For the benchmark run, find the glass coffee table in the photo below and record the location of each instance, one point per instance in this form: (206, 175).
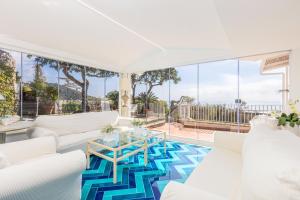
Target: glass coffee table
(120, 145)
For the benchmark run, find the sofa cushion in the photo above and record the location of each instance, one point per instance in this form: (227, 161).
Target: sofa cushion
(271, 166)
(187, 192)
(28, 149)
(76, 123)
(218, 173)
(68, 141)
(267, 121)
(230, 141)
(3, 161)
(42, 132)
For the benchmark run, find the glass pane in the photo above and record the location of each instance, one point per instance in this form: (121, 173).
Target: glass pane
(183, 103)
(40, 88)
(138, 103)
(217, 109)
(71, 88)
(112, 90)
(99, 83)
(259, 91)
(10, 70)
(156, 97)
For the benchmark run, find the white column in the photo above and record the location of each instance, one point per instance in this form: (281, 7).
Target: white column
(125, 94)
(294, 76)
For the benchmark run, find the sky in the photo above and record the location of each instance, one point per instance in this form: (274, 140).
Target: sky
(218, 82)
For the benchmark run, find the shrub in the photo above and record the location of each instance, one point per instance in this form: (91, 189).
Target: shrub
(71, 107)
(7, 83)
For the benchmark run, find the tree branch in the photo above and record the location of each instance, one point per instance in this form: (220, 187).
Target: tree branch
(72, 78)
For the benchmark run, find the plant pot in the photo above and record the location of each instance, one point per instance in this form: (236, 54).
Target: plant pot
(9, 120)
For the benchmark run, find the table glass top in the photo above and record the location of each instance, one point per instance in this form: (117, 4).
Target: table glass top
(121, 138)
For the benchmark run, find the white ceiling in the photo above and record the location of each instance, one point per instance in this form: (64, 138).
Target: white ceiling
(139, 35)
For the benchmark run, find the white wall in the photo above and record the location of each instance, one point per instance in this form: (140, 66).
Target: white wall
(294, 75)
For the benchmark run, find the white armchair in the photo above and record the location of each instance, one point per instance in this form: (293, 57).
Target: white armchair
(35, 171)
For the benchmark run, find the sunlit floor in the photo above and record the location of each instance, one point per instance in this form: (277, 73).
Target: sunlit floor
(178, 130)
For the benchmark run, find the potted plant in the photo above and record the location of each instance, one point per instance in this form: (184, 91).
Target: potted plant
(138, 126)
(110, 136)
(290, 121)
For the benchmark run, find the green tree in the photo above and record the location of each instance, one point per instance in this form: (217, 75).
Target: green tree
(153, 78)
(39, 82)
(68, 69)
(7, 83)
(135, 80)
(113, 97)
(146, 99)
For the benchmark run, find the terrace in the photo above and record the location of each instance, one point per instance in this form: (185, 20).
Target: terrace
(196, 76)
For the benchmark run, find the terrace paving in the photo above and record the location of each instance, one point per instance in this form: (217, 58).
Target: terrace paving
(177, 130)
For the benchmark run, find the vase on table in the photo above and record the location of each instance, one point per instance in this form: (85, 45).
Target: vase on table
(139, 131)
(111, 139)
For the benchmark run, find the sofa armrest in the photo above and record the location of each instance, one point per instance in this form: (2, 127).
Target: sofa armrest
(54, 177)
(27, 149)
(230, 141)
(179, 191)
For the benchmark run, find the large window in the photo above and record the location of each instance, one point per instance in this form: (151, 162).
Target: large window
(41, 86)
(102, 90)
(191, 101)
(183, 99)
(198, 100)
(10, 73)
(71, 88)
(260, 91)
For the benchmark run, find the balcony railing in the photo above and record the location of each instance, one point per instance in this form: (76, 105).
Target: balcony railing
(219, 113)
(222, 113)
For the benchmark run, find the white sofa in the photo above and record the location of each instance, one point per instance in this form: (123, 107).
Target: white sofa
(264, 165)
(32, 170)
(73, 131)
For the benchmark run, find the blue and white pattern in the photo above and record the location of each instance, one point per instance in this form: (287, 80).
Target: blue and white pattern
(136, 181)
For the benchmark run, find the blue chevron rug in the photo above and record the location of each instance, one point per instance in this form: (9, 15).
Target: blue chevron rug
(136, 181)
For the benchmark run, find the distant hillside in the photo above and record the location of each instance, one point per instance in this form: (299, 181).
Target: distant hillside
(66, 93)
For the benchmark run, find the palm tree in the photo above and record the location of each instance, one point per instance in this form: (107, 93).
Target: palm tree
(113, 97)
(146, 98)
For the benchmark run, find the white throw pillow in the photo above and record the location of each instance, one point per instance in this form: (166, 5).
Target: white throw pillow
(3, 161)
(265, 120)
(271, 166)
(42, 132)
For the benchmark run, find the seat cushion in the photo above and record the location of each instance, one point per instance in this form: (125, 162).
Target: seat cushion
(186, 192)
(76, 123)
(27, 149)
(46, 156)
(271, 166)
(69, 141)
(219, 173)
